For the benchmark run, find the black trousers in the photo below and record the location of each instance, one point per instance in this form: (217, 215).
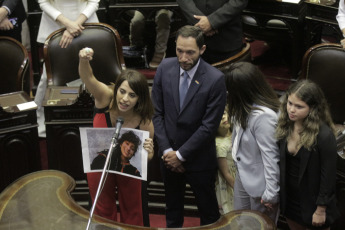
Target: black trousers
(203, 187)
(15, 33)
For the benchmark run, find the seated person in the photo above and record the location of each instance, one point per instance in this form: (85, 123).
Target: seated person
(126, 148)
(12, 15)
(137, 26)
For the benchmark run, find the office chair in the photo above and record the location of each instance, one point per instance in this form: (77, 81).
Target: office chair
(325, 65)
(62, 63)
(14, 66)
(243, 55)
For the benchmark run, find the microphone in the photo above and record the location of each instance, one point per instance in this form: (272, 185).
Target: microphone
(118, 126)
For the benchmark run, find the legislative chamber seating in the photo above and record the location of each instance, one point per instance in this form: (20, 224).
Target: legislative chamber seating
(243, 55)
(14, 65)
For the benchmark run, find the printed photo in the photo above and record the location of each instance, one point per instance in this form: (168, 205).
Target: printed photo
(128, 157)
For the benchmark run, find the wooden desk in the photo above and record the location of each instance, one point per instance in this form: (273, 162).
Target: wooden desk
(19, 150)
(277, 21)
(320, 17)
(41, 200)
(64, 114)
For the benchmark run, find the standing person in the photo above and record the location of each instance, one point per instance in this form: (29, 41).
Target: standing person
(189, 97)
(129, 99)
(220, 21)
(69, 14)
(253, 107)
(12, 15)
(308, 155)
(227, 171)
(137, 27)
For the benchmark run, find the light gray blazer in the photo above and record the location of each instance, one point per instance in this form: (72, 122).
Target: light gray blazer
(258, 155)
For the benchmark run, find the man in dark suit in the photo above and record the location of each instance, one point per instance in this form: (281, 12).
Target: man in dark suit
(185, 126)
(12, 15)
(220, 20)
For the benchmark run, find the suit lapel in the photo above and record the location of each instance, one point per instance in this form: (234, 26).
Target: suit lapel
(175, 79)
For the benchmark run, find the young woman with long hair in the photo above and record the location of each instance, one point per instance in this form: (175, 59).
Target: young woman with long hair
(307, 158)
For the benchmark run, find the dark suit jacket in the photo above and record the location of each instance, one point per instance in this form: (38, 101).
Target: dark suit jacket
(224, 15)
(317, 176)
(191, 130)
(17, 9)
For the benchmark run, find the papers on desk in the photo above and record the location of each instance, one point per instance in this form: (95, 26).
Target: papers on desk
(27, 105)
(292, 1)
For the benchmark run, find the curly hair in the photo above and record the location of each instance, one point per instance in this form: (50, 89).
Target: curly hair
(130, 137)
(310, 93)
(247, 89)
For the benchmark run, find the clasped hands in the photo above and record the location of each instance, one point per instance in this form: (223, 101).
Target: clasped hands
(73, 30)
(172, 162)
(6, 24)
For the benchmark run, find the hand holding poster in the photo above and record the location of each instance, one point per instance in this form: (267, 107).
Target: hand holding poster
(129, 157)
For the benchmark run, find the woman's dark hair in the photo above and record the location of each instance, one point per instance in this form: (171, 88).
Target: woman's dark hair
(247, 88)
(138, 83)
(192, 31)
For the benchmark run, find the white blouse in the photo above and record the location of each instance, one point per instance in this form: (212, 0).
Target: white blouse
(341, 14)
(71, 9)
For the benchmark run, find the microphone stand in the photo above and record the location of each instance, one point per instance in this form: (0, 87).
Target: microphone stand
(103, 177)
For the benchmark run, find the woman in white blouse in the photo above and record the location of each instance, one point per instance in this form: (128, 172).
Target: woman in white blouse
(69, 14)
(341, 20)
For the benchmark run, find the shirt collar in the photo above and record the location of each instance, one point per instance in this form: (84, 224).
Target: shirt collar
(192, 71)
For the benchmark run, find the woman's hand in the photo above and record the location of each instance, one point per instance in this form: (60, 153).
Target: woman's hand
(86, 53)
(148, 146)
(74, 28)
(66, 39)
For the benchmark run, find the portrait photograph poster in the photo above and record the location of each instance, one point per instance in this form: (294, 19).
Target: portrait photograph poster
(98, 140)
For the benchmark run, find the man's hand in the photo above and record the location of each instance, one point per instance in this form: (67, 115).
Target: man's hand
(203, 24)
(6, 24)
(171, 161)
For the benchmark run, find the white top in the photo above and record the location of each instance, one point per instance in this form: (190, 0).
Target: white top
(341, 15)
(71, 9)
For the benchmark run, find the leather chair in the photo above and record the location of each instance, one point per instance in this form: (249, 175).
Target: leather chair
(325, 64)
(62, 64)
(243, 55)
(14, 66)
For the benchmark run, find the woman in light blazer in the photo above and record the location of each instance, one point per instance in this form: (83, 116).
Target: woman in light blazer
(253, 107)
